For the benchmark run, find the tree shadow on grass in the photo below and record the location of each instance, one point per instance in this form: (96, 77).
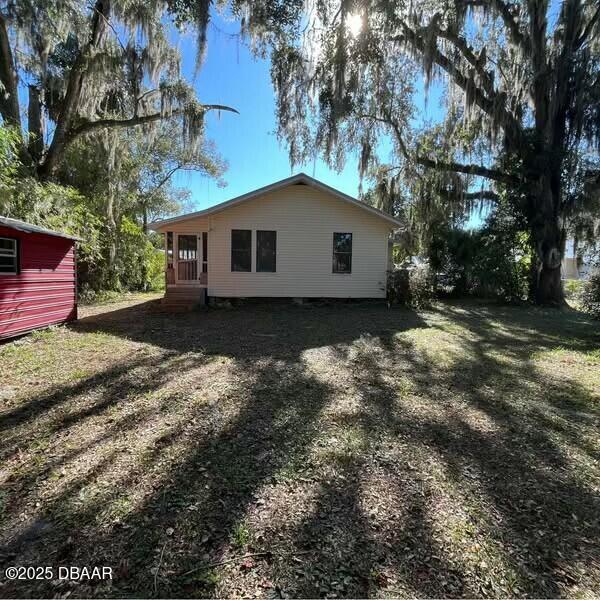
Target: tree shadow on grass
(253, 330)
(205, 492)
(188, 488)
(522, 501)
(333, 443)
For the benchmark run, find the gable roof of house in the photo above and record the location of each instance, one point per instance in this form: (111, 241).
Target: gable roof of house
(29, 228)
(301, 178)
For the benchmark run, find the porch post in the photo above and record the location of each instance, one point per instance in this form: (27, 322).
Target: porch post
(175, 258)
(169, 260)
(199, 257)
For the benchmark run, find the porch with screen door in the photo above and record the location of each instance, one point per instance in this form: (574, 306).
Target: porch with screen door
(192, 259)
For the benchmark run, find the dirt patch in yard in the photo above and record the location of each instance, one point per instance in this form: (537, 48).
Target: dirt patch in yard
(344, 450)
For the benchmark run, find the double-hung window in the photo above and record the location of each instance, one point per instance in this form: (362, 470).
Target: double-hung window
(9, 256)
(342, 253)
(241, 250)
(266, 251)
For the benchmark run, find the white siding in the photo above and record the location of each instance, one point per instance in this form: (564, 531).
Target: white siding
(305, 220)
(189, 226)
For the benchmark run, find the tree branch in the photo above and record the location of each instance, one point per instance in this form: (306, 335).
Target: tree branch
(514, 33)
(589, 28)
(493, 107)
(72, 98)
(146, 94)
(460, 43)
(482, 195)
(9, 98)
(167, 176)
(90, 126)
(387, 120)
(478, 170)
(107, 22)
(164, 180)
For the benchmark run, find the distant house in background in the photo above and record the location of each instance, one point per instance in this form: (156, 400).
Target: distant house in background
(295, 238)
(575, 265)
(38, 283)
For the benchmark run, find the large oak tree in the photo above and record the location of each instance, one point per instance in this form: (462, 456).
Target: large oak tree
(522, 90)
(83, 68)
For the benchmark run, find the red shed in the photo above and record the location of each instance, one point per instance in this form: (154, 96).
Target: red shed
(38, 281)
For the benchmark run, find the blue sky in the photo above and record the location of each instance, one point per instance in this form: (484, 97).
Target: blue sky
(232, 75)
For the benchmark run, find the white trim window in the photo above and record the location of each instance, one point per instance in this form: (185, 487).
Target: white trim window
(342, 253)
(9, 256)
(241, 250)
(266, 251)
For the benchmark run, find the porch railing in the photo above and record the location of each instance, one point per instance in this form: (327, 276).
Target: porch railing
(187, 270)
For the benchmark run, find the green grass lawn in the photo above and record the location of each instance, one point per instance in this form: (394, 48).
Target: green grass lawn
(343, 450)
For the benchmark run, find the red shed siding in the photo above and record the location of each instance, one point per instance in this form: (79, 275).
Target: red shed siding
(44, 291)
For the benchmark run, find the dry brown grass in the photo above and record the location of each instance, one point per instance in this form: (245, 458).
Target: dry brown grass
(354, 450)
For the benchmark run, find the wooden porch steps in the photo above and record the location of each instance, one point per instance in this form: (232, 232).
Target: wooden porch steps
(183, 298)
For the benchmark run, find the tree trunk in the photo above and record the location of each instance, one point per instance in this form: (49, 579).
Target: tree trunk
(9, 98)
(145, 218)
(112, 281)
(548, 240)
(145, 281)
(549, 288)
(35, 124)
(72, 99)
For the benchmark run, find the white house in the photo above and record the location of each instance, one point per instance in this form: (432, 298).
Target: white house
(575, 263)
(294, 238)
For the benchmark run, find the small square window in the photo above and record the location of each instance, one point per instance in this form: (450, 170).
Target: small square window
(9, 256)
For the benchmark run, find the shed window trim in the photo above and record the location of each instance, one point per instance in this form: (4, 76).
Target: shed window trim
(241, 250)
(9, 256)
(266, 251)
(342, 253)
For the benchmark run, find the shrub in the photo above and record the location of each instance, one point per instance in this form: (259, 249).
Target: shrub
(450, 255)
(89, 296)
(493, 262)
(411, 286)
(573, 288)
(501, 266)
(421, 286)
(398, 290)
(156, 269)
(590, 296)
(139, 265)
